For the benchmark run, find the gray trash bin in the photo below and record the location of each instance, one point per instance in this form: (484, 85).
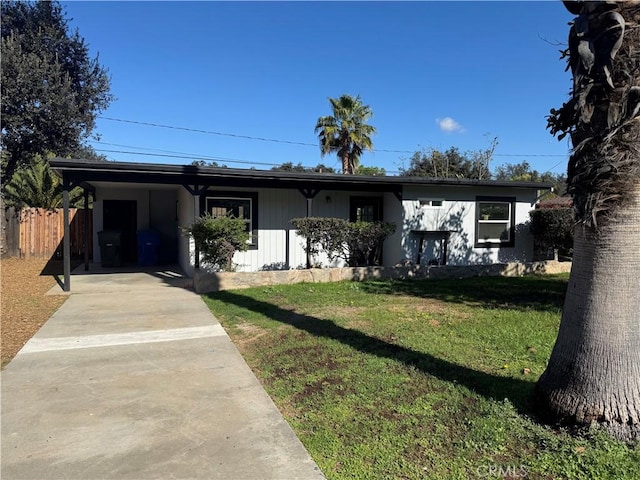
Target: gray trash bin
(110, 248)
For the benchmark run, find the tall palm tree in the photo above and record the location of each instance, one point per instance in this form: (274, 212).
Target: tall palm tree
(593, 375)
(346, 132)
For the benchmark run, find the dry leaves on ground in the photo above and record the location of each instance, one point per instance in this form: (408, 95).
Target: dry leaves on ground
(24, 307)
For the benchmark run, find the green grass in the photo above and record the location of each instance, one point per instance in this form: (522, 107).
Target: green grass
(417, 379)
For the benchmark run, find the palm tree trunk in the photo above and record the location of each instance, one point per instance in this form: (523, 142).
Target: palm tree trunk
(346, 165)
(593, 375)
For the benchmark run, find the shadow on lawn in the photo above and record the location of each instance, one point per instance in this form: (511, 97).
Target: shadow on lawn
(518, 392)
(531, 292)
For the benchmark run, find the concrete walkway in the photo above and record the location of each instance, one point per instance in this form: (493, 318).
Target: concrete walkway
(134, 378)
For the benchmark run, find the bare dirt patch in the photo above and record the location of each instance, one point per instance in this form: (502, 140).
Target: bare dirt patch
(248, 335)
(340, 311)
(24, 307)
(424, 305)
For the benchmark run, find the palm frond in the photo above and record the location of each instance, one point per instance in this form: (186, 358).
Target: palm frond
(602, 117)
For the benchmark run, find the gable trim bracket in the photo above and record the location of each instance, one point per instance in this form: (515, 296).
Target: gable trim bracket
(309, 193)
(195, 189)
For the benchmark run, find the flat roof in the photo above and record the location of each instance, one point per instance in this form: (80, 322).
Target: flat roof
(79, 170)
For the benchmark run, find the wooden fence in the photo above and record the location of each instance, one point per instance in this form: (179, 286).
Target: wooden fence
(38, 232)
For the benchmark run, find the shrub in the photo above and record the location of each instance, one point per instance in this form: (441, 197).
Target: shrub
(218, 239)
(552, 228)
(357, 243)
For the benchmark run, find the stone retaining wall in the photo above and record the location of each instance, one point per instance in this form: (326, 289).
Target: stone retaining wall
(204, 282)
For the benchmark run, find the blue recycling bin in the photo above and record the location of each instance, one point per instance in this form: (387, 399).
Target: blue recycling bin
(148, 243)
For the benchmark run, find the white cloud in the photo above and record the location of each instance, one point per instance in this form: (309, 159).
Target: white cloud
(449, 125)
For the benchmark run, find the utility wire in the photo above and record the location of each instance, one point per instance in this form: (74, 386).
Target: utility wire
(188, 157)
(289, 142)
(174, 154)
(209, 132)
(193, 156)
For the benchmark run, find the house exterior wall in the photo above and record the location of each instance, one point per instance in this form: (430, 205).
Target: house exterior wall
(279, 247)
(458, 216)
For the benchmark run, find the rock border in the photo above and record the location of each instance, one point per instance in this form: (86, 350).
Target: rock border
(205, 282)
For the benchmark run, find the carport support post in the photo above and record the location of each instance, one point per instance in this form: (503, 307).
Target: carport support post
(309, 194)
(309, 210)
(66, 240)
(86, 230)
(196, 214)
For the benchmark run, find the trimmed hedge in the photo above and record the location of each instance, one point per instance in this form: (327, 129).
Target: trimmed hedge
(359, 244)
(218, 239)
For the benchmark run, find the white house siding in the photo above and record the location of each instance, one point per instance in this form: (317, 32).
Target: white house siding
(187, 213)
(276, 235)
(392, 211)
(458, 215)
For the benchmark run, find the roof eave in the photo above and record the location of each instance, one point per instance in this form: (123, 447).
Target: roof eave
(192, 172)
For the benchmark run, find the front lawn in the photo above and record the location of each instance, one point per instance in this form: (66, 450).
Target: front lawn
(417, 379)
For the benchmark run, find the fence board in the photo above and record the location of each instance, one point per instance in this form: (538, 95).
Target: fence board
(11, 237)
(38, 232)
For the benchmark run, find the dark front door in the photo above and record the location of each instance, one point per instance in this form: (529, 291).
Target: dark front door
(122, 215)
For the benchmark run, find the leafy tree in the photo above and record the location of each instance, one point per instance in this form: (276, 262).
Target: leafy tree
(371, 171)
(37, 186)
(451, 163)
(52, 90)
(203, 163)
(593, 375)
(436, 164)
(481, 159)
(346, 132)
(522, 172)
(290, 167)
(87, 152)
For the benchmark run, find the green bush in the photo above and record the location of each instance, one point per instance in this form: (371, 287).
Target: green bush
(218, 239)
(552, 228)
(357, 243)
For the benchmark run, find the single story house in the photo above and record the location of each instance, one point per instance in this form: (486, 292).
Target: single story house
(439, 221)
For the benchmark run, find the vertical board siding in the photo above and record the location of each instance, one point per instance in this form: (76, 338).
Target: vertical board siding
(38, 232)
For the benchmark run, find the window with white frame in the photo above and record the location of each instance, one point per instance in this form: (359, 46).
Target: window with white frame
(243, 206)
(495, 221)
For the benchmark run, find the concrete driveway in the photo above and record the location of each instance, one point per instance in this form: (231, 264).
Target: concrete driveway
(134, 378)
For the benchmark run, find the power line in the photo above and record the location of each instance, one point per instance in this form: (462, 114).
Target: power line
(209, 132)
(174, 154)
(530, 155)
(234, 135)
(193, 156)
(289, 142)
(186, 156)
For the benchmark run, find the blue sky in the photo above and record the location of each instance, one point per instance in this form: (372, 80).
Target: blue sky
(436, 75)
